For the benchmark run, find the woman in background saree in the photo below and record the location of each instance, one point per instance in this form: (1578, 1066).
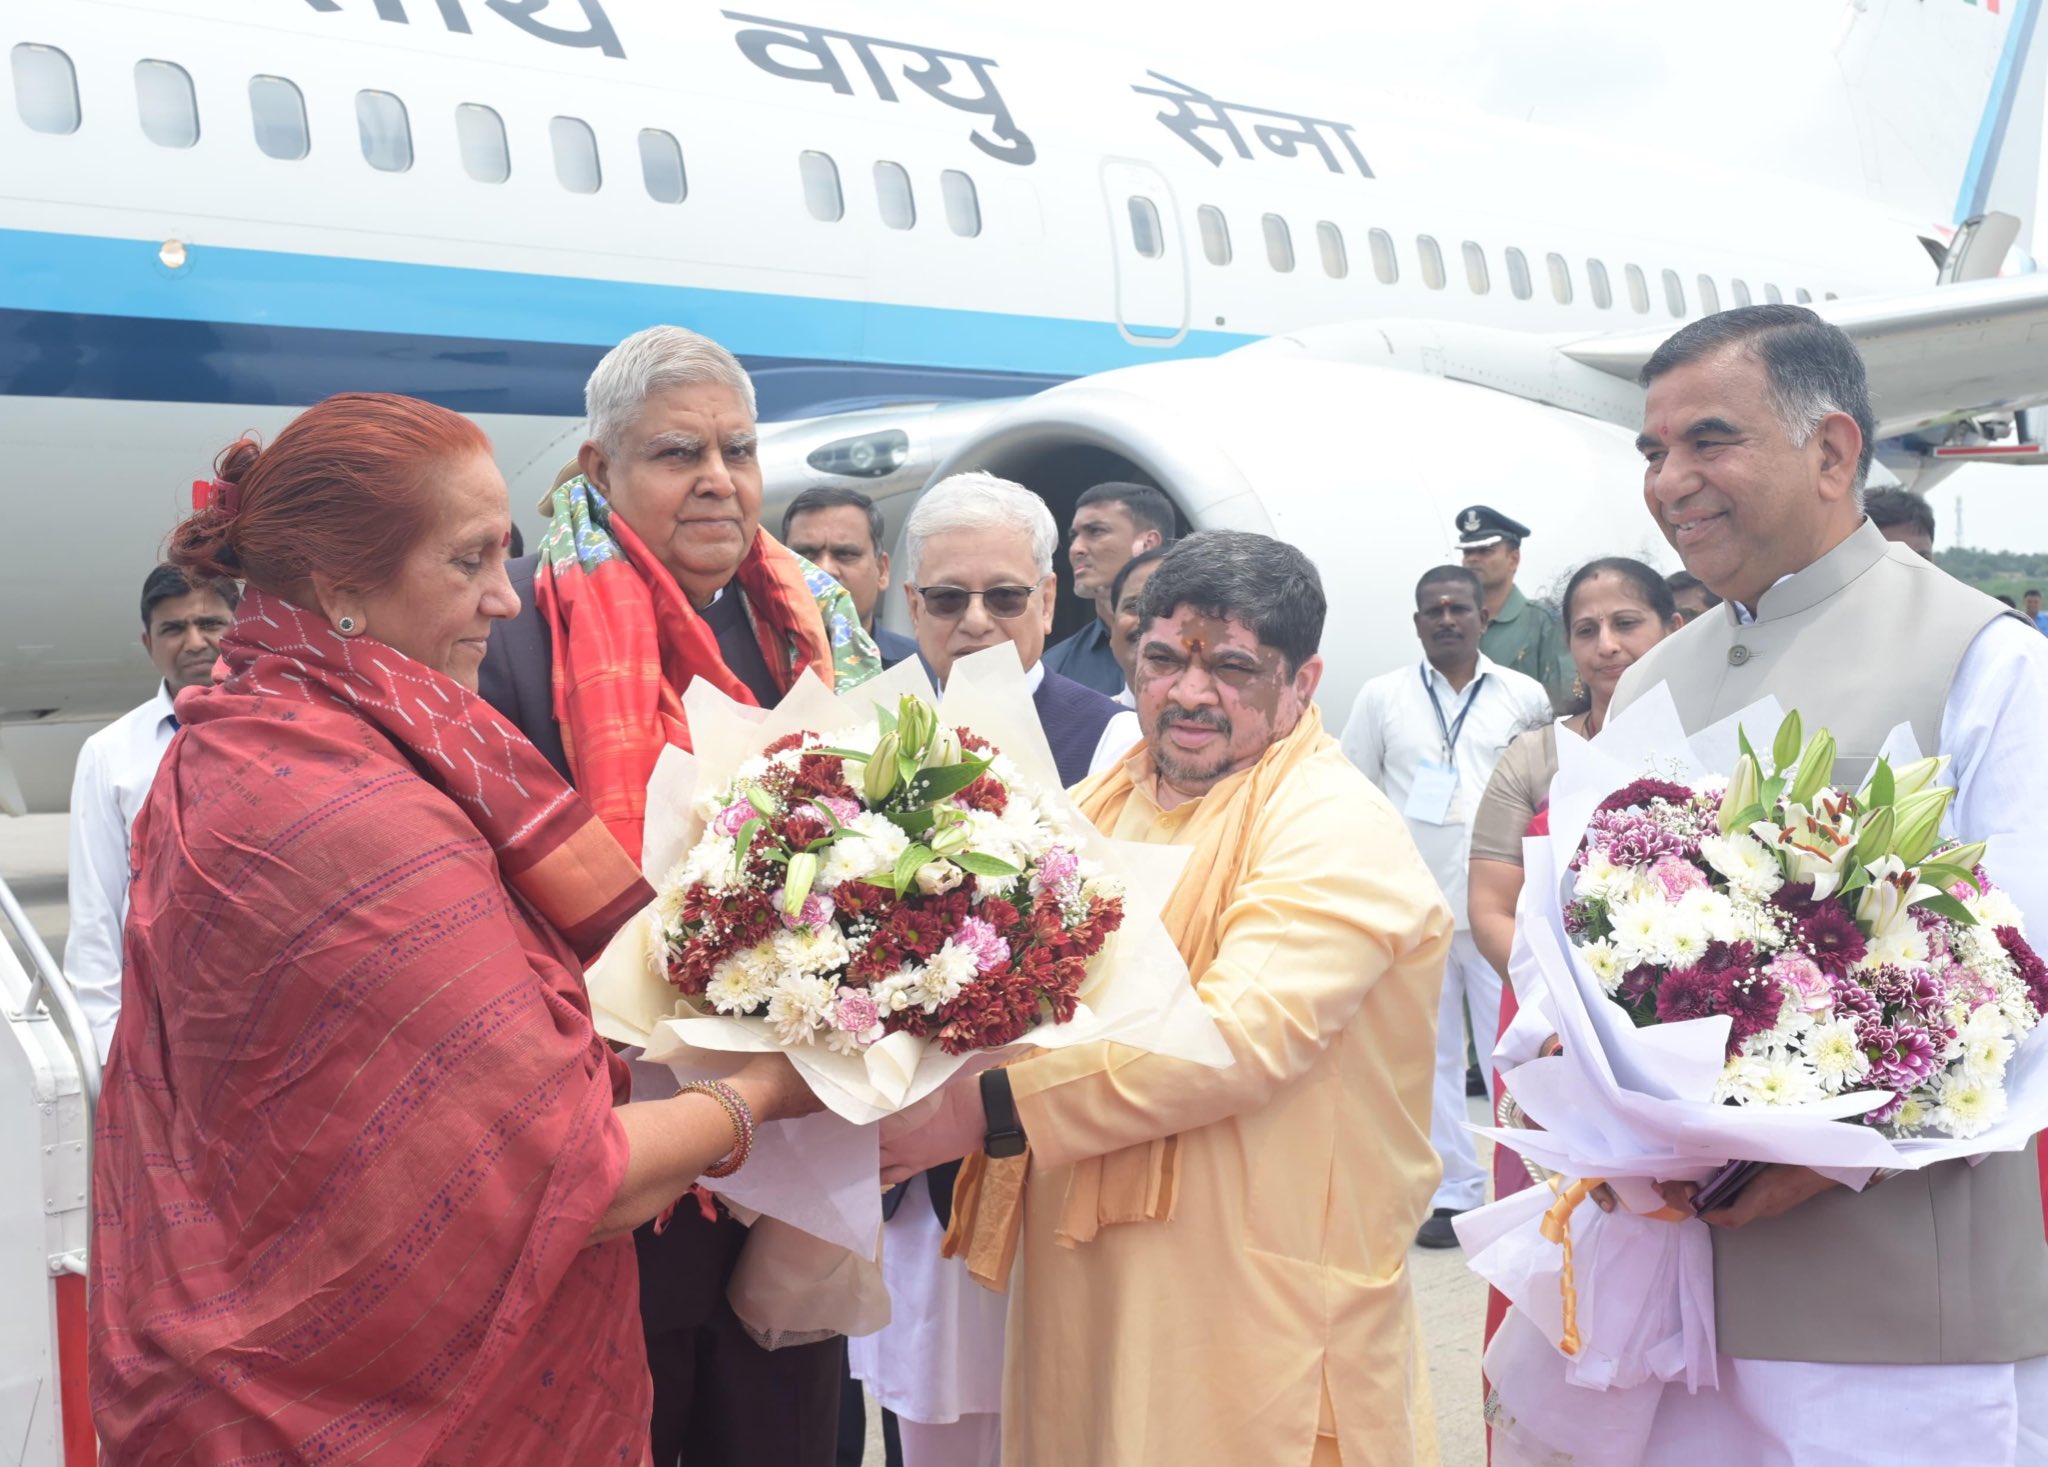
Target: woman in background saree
(361, 1188)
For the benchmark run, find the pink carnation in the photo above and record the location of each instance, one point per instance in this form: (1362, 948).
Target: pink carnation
(1059, 867)
(1676, 876)
(842, 808)
(856, 1011)
(816, 912)
(730, 820)
(1803, 976)
(980, 938)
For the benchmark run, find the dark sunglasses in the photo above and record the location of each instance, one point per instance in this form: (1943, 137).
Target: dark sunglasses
(1003, 602)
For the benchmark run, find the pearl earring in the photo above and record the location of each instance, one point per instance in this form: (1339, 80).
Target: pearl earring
(346, 626)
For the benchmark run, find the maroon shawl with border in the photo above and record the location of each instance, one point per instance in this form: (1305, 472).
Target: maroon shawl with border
(357, 1127)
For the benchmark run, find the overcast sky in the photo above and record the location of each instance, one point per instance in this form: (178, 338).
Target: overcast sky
(1741, 81)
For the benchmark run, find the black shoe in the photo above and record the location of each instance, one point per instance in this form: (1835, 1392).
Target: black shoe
(1436, 1230)
(1475, 1083)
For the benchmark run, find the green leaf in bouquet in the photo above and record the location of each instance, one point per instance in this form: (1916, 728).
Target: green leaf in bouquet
(744, 841)
(1856, 880)
(980, 865)
(1790, 740)
(885, 719)
(910, 822)
(830, 819)
(1742, 741)
(854, 754)
(1771, 791)
(932, 785)
(1883, 786)
(1747, 816)
(1947, 906)
(1945, 875)
(909, 864)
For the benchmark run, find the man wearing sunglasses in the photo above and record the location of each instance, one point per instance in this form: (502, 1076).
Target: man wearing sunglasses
(978, 559)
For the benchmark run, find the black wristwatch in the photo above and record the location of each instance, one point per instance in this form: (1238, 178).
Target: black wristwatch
(1005, 1133)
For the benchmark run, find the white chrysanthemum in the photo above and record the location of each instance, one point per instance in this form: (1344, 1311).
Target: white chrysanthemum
(1985, 1053)
(1604, 963)
(1785, 1079)
(1637, 930)
(797, 1008)
(950, 970)
(1004, 838)
(712, 862)
(1964, 1106)
(1995, 909)
(751, 771)
(1745, 862)
(811, 950)
(741, 983)
(1685, 942)
(1600, 878)
(1912, 1114)
(1837, 1059)
(898, 991)
(860, 737)
(1101, 888)
(872, 844)
(1741, 1078)
(1905, 946)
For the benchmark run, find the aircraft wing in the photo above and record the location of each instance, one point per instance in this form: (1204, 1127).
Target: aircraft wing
(1973, 349)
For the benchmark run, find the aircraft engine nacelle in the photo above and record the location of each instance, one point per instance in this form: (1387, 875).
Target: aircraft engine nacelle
(1363, 467)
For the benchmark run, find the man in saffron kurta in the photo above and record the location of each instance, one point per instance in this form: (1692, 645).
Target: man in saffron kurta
(1213, 1261)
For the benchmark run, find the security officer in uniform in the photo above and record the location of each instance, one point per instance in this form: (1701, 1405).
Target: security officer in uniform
(1521, 634)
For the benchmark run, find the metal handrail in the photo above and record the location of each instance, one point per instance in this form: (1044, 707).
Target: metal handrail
(48, 982)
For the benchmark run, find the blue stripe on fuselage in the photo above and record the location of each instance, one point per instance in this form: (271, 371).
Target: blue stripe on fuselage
(84, 315)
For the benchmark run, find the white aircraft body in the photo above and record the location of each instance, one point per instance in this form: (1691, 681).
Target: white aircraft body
(936, 243)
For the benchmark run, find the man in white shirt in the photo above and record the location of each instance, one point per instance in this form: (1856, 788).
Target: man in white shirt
(978, 555)
(181, 630)
(1429, 735)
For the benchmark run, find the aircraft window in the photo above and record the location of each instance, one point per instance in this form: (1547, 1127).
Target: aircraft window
(1215, 234)
(278, 112)
(1432, 261)
(1740, 289)
(661, 167)
(963, 206)
(575, 155)
(1674, 293)
(1775, 296)
(1596, 281)
(821, 186)
(45, 88)
(1803, 296)
(1560, 279)
(1384, 263)
(386, 134)
(1831, 296)
(1330, 239)
(1638, 289)
(480, 136)
(167, 104)
(1710, 298)
(1279, 243)
(1475, 269)
(893, 197)
(1146, 237)
(1518, 273)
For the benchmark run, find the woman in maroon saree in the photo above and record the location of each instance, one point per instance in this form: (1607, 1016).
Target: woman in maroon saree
(362, 1180)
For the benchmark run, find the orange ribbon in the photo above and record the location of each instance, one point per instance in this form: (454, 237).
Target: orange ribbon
(1557, 1228)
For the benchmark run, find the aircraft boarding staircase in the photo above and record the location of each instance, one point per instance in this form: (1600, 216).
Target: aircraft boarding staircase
(50, 1067)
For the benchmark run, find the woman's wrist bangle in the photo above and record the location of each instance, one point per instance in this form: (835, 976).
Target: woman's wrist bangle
(737, 1112)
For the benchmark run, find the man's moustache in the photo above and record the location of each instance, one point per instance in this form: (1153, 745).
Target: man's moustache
(1170, 716)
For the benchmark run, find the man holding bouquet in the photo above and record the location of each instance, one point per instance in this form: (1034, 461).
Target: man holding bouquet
(1903, 1317)
(1214, 1259)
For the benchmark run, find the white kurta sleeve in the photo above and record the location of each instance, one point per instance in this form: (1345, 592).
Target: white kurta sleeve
(98, 895)
(1992, 730)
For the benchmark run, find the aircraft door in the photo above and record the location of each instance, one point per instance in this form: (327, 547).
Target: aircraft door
(1148, 252)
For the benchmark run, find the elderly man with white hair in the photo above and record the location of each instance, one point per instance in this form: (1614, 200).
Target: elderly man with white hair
(978, 557)
(655, 572)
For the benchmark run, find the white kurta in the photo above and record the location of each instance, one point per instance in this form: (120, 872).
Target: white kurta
(115, 770)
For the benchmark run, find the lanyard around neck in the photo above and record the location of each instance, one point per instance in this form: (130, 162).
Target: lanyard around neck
(1450, 730)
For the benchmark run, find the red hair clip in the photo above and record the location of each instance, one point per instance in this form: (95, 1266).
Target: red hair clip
(216, 494)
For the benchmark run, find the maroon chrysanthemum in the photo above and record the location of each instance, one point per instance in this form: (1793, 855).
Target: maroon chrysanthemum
(1831, 935)
(1645, 790)
(2033, 972)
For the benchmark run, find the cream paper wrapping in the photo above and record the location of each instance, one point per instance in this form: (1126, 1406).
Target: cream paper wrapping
(1632, 1105)
(815, 1182)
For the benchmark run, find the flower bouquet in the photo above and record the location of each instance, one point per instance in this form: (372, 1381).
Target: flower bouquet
(1744, 967)
(889, 887)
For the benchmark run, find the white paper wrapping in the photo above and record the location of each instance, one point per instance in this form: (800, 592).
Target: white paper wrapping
(820, 1174)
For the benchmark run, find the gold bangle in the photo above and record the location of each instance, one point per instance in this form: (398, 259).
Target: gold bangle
(735, 1108)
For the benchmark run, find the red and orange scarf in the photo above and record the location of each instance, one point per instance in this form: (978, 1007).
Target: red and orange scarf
(627, 643)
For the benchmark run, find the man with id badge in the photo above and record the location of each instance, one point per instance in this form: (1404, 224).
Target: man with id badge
(1429, 734)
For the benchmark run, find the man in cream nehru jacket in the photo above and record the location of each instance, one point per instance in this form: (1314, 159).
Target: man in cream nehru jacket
(1905, 1321)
